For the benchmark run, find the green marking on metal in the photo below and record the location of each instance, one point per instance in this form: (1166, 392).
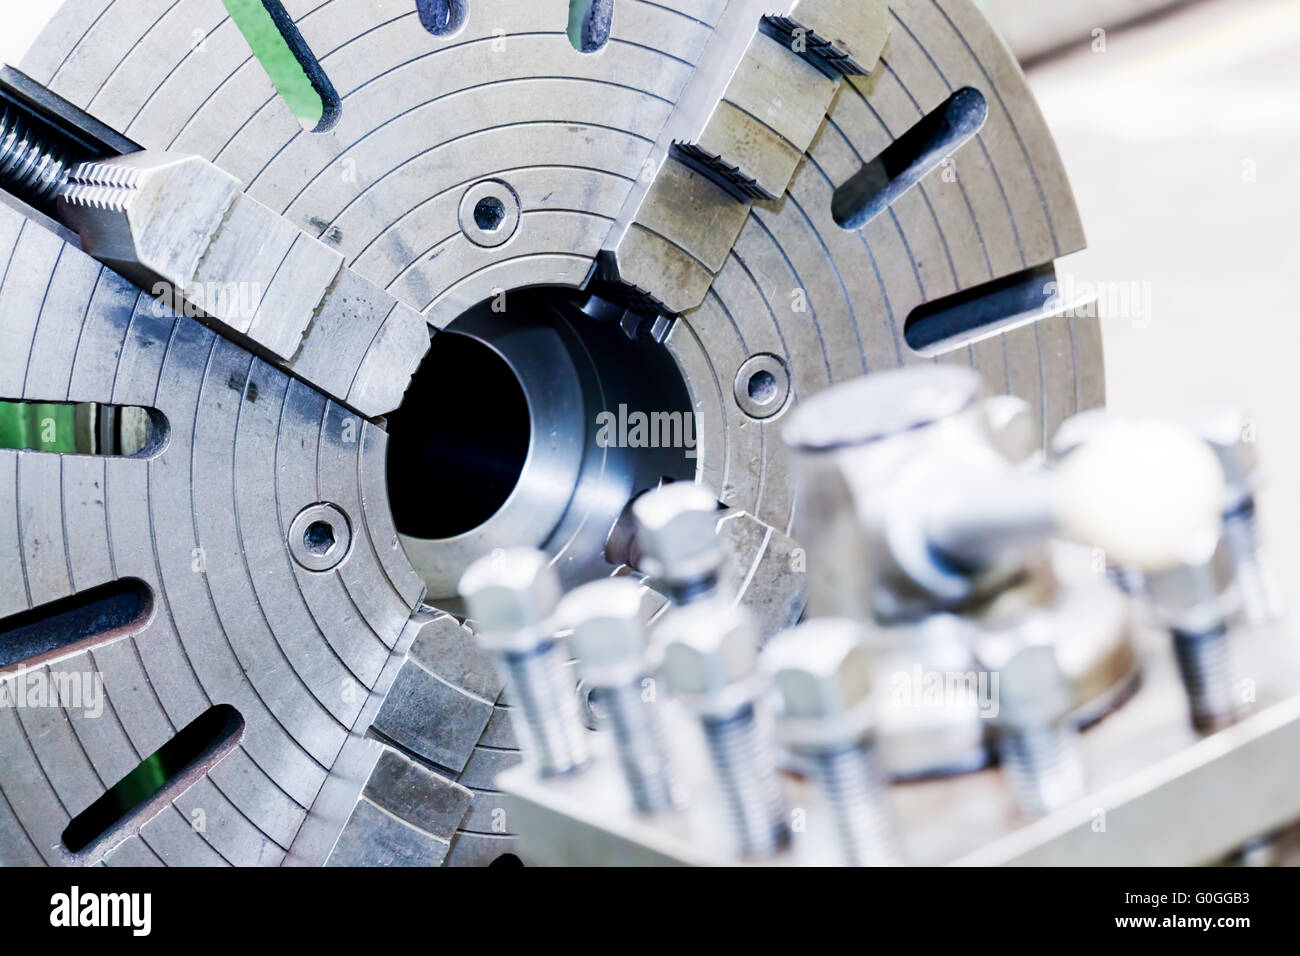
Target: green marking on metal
(284, 55)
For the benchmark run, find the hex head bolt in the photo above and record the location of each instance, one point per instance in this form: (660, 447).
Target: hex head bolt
(1189, 600)
(609, 643)
(1151, 494)
(711, 664)
(676, 531)
(1036, 740)
(511, 597)
(822, 675)
(1227, 433)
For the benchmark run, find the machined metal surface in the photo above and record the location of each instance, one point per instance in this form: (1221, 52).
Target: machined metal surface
(730, 261)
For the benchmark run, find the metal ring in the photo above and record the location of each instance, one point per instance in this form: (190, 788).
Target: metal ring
(762, 386)
(489, 212)
(319, 537)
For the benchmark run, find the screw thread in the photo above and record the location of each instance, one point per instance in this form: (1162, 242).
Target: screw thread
(746, 769)
(1206, 665)
(1043, 766)
(642, 753)
(855, 793)
(30, 166)
(545, 703)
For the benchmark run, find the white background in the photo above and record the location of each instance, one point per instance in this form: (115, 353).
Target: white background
(23, 20)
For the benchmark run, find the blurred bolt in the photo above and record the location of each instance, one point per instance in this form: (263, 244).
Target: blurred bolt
(511, 597)
(711, 663)
(609, 642)
(821, 672)
(677, 535)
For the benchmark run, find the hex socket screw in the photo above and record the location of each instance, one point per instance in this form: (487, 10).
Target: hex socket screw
(711, 664)
(609, 642)
(511, 597)
(822, 674)
(676, 532)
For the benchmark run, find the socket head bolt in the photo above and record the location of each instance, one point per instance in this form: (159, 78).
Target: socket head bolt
(511, 597)
(821, 672)
(676, 531)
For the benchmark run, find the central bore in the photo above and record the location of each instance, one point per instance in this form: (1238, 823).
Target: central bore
(458, 444)
(533, 420)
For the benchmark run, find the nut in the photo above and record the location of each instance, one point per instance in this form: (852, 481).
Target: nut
(609, 634)
(511, 596)
(822, 673)
(711, 655)
(677, 532)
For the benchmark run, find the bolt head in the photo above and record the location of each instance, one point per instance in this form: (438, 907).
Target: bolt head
(710, 654)
(1032, 686)
(676, 529)
(609, 633)
(821, 671)
(511, 596)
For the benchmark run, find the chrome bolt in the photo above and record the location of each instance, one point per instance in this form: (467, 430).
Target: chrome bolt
(1228, 434)
(711, 664)
(511, 597)
(821, 672)
(676, 531)
(609, 643)
(1035, 737)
